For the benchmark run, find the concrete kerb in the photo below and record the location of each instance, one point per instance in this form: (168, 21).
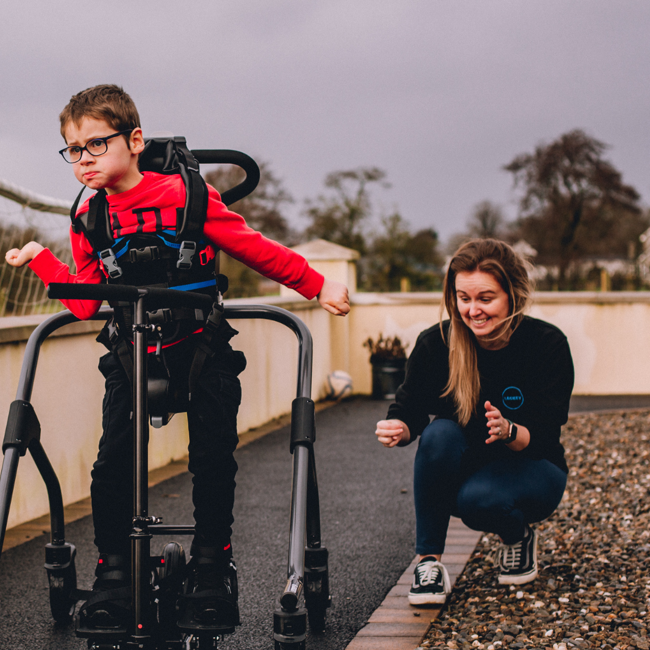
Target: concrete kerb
(396, 625)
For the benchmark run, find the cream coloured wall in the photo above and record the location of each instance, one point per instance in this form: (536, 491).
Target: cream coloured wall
(68, 392)
(608, 334)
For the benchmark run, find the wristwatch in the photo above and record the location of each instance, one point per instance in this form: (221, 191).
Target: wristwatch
(512, 434)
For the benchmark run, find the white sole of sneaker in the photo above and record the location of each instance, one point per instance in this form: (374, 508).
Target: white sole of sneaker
(520, 579)
(427, 599)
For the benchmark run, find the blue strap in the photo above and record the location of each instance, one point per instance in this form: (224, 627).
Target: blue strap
(196, 285)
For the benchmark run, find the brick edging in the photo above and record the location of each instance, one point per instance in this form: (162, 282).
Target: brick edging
(396, 625)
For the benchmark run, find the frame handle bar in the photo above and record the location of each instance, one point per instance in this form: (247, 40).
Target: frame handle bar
(153, 296)
(232, 157)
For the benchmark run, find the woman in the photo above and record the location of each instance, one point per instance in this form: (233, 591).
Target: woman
(498, 384)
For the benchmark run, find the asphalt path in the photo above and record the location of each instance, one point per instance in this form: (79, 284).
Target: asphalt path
(367, 521)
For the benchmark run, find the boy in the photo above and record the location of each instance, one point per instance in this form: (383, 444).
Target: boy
(101, 128)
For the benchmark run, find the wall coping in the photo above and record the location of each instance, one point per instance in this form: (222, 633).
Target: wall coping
(14, 329)
(540, 297)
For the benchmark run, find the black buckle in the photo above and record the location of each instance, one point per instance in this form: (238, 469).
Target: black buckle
(146, 254)
(185, 255)
(113, 332)
(214, 317)
(160, 316)
(110, 263)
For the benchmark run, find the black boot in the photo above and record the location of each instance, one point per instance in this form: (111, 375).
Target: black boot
(109, 605)
(211, 600)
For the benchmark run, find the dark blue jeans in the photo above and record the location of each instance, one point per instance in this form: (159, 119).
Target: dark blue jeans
(500, 498)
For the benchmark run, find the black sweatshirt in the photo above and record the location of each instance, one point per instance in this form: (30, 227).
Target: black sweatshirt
(529, 381)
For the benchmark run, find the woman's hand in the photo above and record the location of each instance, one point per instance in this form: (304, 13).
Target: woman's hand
(392, 432)
(21, 256)
(498, 425)
(500, 429)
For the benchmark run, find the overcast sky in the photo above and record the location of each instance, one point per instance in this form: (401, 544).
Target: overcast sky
(439, 94)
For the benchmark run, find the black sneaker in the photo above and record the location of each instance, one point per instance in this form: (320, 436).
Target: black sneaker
(518, 562)
(211, 600)
(108, 607)
(431, 584)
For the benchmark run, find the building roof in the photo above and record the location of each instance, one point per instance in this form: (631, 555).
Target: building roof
(320, 249)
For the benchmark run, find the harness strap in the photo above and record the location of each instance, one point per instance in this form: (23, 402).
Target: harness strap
(94, 597)
(73, 212)
(169, 314)
(205, 347)
(98, 224)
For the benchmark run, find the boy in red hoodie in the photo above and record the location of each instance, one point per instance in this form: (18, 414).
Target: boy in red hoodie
(101, 128)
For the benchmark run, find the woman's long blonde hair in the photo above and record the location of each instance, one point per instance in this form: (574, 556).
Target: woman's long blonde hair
(509, 270)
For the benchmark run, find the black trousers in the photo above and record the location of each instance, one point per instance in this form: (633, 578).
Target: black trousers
(212, 423)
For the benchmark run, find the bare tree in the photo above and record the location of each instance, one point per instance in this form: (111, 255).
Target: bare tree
(573, 200)
(486, 221)
(339, 218)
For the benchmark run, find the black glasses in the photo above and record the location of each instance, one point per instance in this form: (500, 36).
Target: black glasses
(95, 147)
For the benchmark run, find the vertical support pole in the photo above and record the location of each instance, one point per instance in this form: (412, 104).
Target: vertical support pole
(7, 482)
(140, 537)
(313, 504)
(297, 530)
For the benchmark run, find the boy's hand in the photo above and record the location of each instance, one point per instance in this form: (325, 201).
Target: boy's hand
(334, 298)
(21, 256)
(392, 432)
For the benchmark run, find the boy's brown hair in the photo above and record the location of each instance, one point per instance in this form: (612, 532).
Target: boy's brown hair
(107, 102)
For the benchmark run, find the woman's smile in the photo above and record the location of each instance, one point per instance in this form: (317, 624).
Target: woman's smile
(483, 305)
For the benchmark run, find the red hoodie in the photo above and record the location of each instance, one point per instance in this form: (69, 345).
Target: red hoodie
(150, 206)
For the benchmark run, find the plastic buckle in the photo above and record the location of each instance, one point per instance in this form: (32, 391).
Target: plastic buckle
(113, 332)
(146, 254)
(185, 255)
(110, 263)
(214, 317)
(206, 255)
(160, 316)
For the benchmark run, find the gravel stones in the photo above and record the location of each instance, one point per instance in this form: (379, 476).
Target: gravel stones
(593, 588)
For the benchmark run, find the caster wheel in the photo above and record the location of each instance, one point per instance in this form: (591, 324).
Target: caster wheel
(171, 575)
(62, 583)
(279, 645)
(316, 616)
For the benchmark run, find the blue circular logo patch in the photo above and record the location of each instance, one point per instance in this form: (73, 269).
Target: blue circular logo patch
(512, 398)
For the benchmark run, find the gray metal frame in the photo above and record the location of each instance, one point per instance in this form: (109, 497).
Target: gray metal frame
(23, 432)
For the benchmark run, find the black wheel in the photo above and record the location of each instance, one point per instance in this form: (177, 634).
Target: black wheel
(316, 616)
(317, 599)
(289, 646)
(171, 576)
(173, 563)
(201, 642)
(62, 583)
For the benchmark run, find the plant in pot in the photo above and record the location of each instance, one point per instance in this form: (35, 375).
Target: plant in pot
(388, 361)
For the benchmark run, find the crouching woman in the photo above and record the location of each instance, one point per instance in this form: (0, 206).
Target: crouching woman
(497, 384)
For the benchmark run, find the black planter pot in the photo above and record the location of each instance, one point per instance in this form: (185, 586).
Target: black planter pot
(387, 377)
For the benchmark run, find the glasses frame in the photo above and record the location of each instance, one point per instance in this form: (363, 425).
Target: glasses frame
(84, 148)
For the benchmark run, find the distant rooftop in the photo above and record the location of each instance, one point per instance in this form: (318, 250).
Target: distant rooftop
(320, 249)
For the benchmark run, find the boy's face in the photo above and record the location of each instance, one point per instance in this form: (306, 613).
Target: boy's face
(117, 169)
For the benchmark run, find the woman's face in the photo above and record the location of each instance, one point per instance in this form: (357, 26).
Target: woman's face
(483, 306)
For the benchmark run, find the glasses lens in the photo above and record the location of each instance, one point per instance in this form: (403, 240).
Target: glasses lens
(97, 147)
(72, 154)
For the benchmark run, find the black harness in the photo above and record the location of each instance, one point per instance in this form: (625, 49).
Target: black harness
(176, 259)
